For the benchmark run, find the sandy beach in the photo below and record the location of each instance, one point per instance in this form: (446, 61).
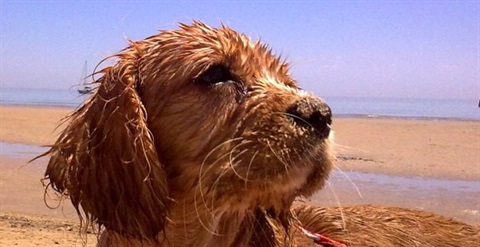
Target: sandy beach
(427, 164)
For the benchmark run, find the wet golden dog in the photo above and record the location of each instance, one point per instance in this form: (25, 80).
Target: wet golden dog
(199, 137)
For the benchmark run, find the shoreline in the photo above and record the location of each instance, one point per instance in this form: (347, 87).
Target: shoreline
(410, 118)
(72, 107)
(34, 105)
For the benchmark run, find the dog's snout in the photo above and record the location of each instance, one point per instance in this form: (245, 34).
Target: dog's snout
(312, 112)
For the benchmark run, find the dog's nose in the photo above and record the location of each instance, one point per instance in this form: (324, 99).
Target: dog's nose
(312, 112)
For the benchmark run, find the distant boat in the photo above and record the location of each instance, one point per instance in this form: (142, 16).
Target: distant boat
(83, 81)
(85, 90)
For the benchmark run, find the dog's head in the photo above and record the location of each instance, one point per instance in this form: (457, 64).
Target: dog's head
(198, 113)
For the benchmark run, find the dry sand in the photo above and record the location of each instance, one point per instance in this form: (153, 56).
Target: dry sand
(445, 152)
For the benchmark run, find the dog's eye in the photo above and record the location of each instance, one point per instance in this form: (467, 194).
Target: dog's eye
(214, 75)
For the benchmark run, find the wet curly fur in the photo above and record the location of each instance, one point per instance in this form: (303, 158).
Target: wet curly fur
(200, 137)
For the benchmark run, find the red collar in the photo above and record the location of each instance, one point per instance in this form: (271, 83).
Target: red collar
(320, 239)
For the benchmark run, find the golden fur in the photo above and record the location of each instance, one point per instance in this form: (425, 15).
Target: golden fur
(199, 137)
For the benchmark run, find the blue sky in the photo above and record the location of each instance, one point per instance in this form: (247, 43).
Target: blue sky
(413, 49)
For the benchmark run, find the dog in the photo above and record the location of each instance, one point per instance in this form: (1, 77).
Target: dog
(200, 137)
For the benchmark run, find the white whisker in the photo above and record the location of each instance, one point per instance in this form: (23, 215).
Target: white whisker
(199, 187)
(349, 180)
(337, 201)
(279, 158)
(249, 166)
(232, 159)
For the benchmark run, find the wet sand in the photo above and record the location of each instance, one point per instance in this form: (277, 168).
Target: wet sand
(443, 149)
(426, 164)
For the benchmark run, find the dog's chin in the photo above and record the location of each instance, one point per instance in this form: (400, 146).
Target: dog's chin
(308, 172)
(274, 178)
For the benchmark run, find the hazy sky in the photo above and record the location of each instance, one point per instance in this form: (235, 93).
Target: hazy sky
(416, 49)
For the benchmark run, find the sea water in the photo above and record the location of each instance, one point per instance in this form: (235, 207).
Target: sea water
(462, 109)
(41, 97)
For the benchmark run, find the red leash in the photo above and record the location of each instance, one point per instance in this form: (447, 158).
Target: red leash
(320, 239)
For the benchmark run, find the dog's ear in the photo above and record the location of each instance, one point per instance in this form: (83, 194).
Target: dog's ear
(105, 160)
